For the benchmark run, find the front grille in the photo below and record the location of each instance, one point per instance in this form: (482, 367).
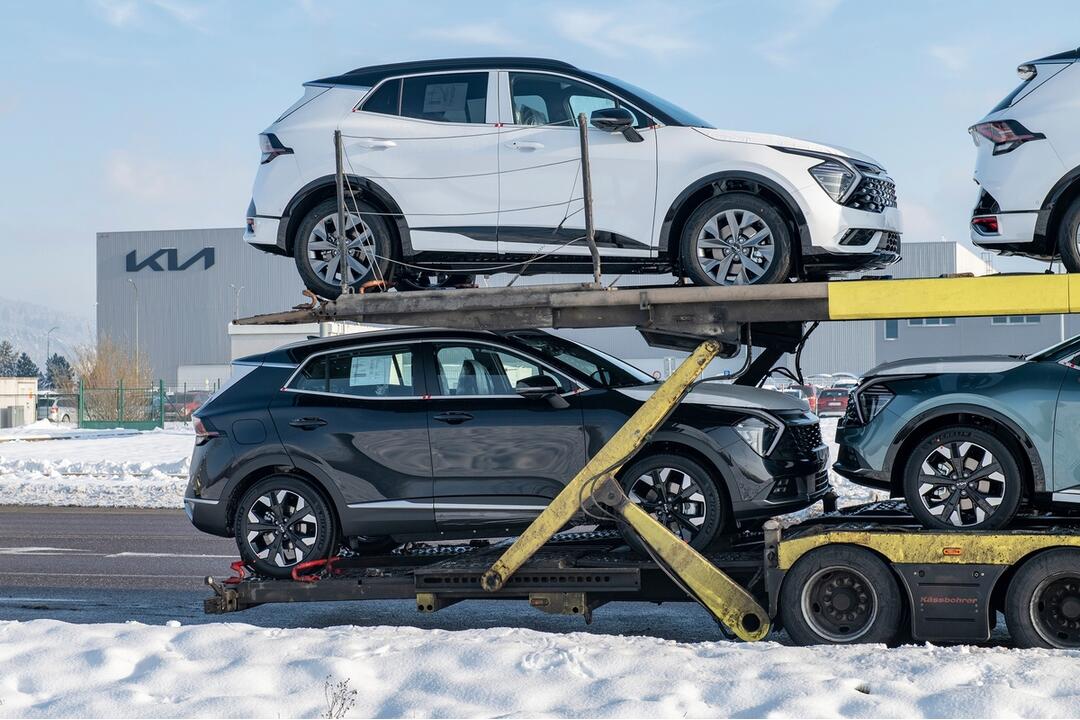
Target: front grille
(890, 242)
(807, 437)
(873, 194)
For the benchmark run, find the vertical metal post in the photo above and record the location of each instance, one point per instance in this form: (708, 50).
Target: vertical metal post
(120, 401)
(343, 242)
(586, 191)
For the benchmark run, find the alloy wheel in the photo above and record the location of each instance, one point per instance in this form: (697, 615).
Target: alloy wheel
(281, 528)
(839, 604)
(1055, 610)
(962, 483)
(323, 253)
(673, 498)
(735, 247)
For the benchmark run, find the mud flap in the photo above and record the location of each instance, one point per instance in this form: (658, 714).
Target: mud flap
(950, 603)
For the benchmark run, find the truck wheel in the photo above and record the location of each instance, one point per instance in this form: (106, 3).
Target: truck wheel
(962, 478)
(1068, 240)
(1042, 605)
(840, 595)
(680, 494)
(368, 247)
(280, 522)
(736, 239)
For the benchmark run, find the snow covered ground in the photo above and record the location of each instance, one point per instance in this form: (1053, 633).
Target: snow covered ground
(122, 468)
(235, 670)
(94, 468)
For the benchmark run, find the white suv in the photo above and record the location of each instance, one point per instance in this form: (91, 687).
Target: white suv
(1028, 166)
(458, 167)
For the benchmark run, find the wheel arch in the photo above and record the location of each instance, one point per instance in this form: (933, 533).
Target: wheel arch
(721, 183)
(1053, 209)
(324, 188)
(1003, 427)
(242, 485)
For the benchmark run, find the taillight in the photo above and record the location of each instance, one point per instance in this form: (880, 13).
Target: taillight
(1007, 135)
(985, 224)
(271, 147)
(202, 434)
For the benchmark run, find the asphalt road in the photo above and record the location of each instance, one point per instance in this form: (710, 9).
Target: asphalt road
(119, 565)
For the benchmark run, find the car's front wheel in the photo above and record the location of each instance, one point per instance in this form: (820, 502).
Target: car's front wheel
(678, 493)
(368, 247)
(736, 239)
(280, 522)
(962, 478)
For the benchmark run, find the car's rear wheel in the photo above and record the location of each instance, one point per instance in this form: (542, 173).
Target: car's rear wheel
(680, 494)
(368, 247)
(1068, 240)
(282, 521)
(962, 478)
(736, 239)
(1042, 606)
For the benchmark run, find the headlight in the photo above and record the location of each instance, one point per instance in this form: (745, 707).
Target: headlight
(871, 400)
(835, 179)
(760, 434)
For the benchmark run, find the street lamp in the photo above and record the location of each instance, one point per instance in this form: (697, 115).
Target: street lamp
(136, 287)
(236, 306)
(48, 354)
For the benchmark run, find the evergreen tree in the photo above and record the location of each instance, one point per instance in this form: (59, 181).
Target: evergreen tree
(7, 359)
(25, 367)
(59, 374)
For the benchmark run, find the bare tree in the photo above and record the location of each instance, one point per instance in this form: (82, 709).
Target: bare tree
(104, 369)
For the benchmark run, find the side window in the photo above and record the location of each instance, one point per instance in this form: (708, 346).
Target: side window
(482, 370)
(382, 372)
(456, 98)
(538, 99)
(385, 100)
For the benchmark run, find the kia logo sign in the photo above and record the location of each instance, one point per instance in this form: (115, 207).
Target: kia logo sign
(172, 260)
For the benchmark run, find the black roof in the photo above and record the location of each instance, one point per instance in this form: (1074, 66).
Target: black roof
(1067, 56)
(374, 74)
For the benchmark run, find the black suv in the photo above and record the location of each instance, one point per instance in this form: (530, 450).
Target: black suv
(384, 437)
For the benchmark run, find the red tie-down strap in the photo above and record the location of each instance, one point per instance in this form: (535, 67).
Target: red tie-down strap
(239, 572)
(328, 563)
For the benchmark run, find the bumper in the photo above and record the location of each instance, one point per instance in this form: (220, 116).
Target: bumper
(852, 462)
(882, 250)
(209, 516)
(261, 230)
(1016, 233)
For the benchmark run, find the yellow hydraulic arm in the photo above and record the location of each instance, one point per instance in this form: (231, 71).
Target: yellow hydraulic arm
(728, 601)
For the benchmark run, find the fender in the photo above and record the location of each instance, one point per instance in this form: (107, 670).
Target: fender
(679, 211)
(1051, 210)
(1038, 474)
(290, 217)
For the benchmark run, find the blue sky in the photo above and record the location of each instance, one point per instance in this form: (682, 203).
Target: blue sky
(143, 114)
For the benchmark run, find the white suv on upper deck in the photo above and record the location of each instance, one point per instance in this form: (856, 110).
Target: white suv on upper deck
(1028, 165)
(457, 167)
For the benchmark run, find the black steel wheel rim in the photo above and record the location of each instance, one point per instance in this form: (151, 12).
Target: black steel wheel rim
(961, 483)
(673, 497)
(281, 528)
(839, 604)
(1055, 610)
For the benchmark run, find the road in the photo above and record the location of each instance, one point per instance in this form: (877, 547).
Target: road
(119, 565)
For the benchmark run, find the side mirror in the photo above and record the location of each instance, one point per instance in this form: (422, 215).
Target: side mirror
(616, 119)
(541, 387)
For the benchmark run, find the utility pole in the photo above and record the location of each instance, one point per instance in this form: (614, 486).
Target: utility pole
(343, 241)
(586, 191)
(136, 354)
(48, 353)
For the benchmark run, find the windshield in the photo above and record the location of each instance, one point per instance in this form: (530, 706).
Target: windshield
(605, 370)
(683, 117)
(1057, 351)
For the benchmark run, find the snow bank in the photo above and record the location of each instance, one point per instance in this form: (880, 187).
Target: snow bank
(98, 468)
(55, 669)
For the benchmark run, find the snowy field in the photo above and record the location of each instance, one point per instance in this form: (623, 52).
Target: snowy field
(236, 670)
(46, 464)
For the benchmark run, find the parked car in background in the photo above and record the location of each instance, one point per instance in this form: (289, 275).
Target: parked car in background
(62, 413)
(968, 441)
(807, 393)
(428, 434)
(1028, 165)
(455, 165)
(832, 402)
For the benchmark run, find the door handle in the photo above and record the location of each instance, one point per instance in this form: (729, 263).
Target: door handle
(373, 144)
(307, 423)
(453, 418)
(525, 145)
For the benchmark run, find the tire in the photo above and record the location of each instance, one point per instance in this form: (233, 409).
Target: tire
(761, 255)
(281, 501)
(410, 281)
(1042, 605)
(703, 508)
(65, 419)
(948, 483)
(315, 247)
(841, 595)
(1068, 239)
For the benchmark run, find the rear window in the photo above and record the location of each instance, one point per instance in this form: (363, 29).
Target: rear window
(834, 393)
(385, 99)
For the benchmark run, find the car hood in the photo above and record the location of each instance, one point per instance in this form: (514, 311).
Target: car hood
(727, 396)
(966, 364)
(783, 141)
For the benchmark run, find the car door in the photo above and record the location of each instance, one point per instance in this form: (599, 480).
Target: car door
(431, 142)
(540, 193)
(356, 418)
(1065, 479)
(497, 458)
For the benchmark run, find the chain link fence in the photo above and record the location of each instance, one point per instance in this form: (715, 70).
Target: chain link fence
(138, 408)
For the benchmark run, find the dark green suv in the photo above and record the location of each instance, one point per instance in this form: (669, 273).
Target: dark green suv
(968, 441)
